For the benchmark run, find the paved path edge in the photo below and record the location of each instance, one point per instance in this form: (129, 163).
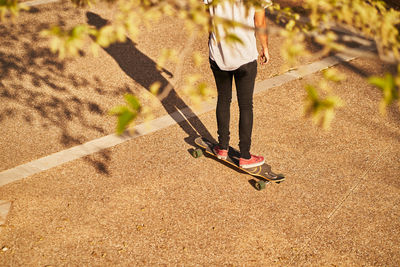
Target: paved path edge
(96, 145)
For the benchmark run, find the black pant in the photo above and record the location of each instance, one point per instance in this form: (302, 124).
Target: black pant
(244, 79)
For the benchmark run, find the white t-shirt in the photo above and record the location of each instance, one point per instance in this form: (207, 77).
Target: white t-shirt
(230, 56)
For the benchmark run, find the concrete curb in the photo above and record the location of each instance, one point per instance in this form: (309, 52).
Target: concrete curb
(4, 209)
(39, 2)
(58, 158)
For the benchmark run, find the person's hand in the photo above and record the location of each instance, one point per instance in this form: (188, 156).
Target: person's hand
(264, 56)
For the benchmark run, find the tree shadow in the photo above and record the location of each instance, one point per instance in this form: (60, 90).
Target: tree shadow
(143, 70)
(37, 88)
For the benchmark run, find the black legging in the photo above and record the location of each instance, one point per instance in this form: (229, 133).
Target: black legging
(244, 79)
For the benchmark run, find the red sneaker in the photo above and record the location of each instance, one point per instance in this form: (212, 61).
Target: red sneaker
(220, 153)
(254, 161)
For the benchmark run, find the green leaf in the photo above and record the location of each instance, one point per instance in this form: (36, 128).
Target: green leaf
(378, 82)
(388, 86)
(118, 110)
(126, 113)
(104, 36)
(322, 110)
(312, 92)
(155, 87)
(132, 101)
(124, 119)
(333, 75)
(290, 25)
(231, 38)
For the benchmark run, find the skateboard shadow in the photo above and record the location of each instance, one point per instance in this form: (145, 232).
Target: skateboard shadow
(143, 70)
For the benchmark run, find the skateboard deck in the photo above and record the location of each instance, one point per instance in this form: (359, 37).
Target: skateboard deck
(262, 172)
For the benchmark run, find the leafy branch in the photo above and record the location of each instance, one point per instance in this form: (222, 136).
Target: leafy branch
(369, 22)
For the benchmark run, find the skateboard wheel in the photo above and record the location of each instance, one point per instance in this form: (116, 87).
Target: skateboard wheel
(260, 185)
(197, 153)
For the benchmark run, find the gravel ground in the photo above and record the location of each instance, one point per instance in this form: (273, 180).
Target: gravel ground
(148, 202)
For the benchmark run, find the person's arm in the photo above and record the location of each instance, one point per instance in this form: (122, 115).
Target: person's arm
(260, 22)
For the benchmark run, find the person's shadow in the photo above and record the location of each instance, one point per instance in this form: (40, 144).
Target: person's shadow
(144, 71)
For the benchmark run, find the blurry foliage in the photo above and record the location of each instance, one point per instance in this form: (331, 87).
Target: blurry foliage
(371, 20)
(198, 90)
(11, 7)
(322, 109)
(68, 43)
(390, 86)
(126, 113)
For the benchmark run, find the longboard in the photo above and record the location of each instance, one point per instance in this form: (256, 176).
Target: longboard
(262, 172)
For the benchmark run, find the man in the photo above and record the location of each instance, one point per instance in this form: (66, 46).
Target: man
(237, 60)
